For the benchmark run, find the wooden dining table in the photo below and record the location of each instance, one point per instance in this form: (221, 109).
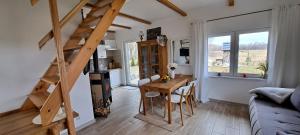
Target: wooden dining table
(166, 88)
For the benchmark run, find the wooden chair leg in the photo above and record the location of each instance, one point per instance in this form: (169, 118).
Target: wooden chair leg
(194, 100)
(140, 105)
(165, 110)
(151, 101)
(180, 106)
(187, 105)
(161, 102)
(191, 104)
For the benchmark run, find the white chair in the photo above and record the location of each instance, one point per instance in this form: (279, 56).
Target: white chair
(148, 94)
(155, 78)
(193, 84)
(187, 94)
(141, 83)
(178, 99)
(151, 95)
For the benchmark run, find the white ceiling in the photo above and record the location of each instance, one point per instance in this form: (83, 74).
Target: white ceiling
(153, 10)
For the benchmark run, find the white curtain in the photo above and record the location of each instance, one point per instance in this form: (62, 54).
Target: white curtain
(284, 56)
(198, 41)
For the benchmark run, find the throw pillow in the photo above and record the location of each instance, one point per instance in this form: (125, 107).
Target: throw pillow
(278, 95)
(295, 98)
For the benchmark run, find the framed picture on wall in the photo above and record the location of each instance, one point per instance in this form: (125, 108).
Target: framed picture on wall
(153, 33)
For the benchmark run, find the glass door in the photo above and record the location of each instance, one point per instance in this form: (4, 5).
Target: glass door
(144, 65)
(154, 60)
(132, 65)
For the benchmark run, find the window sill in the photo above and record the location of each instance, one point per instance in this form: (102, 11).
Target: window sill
(238, 78)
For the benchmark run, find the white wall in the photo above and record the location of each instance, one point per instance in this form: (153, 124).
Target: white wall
(234, 90)
(82, 102)
(231, 89)
(176, 28)
(22, 63)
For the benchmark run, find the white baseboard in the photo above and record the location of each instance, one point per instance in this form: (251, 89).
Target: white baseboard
(224, 101)
(65, 132)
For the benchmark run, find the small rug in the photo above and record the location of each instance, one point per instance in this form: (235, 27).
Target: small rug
(157, 119)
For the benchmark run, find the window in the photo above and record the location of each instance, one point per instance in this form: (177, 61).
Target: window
(252, 52)
(238, 54)
(219, 54)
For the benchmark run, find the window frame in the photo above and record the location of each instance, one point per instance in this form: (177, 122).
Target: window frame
(230, 73)
(234, 52)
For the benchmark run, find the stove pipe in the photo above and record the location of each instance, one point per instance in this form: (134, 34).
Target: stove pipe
(95, 61)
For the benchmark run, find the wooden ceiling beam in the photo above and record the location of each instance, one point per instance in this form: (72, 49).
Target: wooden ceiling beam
(172, 6)
(134, 18)
(120, 26)
(89, 5)
(231, 3)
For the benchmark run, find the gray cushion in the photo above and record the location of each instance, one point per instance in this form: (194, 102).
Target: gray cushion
(295, 98)
(278, 95)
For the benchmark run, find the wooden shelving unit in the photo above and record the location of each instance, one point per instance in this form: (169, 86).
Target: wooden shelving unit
(153, 58)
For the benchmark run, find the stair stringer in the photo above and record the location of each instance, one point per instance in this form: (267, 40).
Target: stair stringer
(51, 106)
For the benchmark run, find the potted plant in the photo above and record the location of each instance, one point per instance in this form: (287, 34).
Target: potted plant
(263, 67)
(172, 67)
(165, 78)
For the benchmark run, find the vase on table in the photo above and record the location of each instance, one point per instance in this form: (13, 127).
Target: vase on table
(172, 74)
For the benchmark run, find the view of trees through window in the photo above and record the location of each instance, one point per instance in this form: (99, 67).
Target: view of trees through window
(252, 52)
(249, 53)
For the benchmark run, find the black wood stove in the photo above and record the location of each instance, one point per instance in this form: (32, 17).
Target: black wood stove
(101, 89)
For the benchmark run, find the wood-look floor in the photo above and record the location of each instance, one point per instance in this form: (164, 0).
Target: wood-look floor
(212, 118)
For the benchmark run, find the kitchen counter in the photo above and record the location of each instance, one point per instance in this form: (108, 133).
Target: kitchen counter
(114, 69)
(115, 77)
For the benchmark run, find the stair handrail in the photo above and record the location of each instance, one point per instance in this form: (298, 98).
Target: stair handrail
(85, 53)
(64, 21)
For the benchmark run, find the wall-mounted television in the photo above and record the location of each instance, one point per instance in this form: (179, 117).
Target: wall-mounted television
(184, 51)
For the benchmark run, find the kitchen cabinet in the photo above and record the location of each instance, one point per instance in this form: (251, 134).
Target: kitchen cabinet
(101, 51)
(115, 77)
(110, 43)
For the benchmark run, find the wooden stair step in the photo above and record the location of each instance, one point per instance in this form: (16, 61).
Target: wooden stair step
(70, 55)
(100, 6)
(12, 116)
(39, 98)
(80, 35)
(83, 30)
(72, 47)
(91, 19)
(100, 11)
(75, 38)
(20, 123)
(51, 79)
(103, 3)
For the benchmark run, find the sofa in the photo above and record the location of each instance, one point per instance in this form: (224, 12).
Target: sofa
(270, 118)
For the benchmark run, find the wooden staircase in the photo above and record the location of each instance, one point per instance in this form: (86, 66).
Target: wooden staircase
(63, 70)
